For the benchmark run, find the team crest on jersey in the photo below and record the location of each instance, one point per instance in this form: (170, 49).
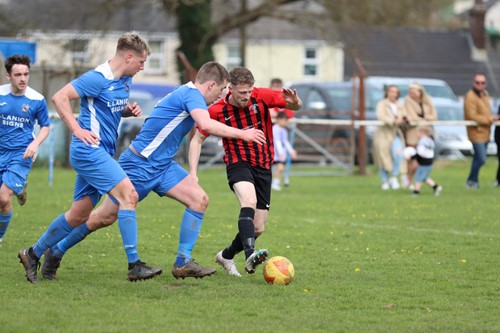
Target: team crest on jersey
(26, 108)
(127, 86)
(254, 108)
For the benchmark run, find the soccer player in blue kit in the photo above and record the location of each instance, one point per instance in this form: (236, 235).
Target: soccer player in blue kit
(149, 163)
(20, 108)
(103, 94)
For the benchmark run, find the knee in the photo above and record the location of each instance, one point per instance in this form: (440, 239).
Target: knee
(259, 231)
(259, 228)
(101, 221)
(201, 202)
(480, 160)
(250, 202)
(5, 201)
(75, 219)
(129, 198)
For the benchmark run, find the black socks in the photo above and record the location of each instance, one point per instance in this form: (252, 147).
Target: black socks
(245, 239)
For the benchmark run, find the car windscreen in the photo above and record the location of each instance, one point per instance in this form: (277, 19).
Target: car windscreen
(446, 112)
(342, 98)
(432, 90)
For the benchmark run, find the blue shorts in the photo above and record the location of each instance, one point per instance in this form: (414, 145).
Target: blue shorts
(146, 178)
(14, 169)
(97, 171)
(422, 173)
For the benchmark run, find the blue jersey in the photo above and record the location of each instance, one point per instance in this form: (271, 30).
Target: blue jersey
(102, 102)
(18, 115)
(170, 121)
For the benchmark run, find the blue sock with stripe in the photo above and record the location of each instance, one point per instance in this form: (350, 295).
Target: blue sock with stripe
(127, 222)
(75, 236)
(58, 229)
(4, 222)
(190, 229)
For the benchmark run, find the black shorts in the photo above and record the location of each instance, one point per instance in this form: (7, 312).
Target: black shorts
(259, 177)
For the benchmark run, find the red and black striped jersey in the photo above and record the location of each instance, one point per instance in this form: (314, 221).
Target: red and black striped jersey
(255, 115)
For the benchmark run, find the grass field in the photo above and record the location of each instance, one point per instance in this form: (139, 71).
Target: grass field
(365, 261)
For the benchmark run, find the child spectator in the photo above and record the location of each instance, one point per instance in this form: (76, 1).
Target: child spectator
(425, 156)
(281, 147)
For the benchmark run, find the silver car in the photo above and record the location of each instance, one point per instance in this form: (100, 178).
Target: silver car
(451, 141)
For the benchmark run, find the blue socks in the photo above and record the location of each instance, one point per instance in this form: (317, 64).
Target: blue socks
(57, 230)
(4, 222)
(74, 237)
(127, 222)
(190, 229)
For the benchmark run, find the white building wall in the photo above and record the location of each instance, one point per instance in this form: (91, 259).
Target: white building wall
(285, 60)
(266, 59)
(52, 51)
(492, 19)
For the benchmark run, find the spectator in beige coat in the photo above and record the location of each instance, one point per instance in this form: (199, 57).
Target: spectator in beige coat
(477, 107)
(388, 141)
(419, 107)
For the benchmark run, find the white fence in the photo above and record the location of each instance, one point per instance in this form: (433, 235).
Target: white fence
(325, 156)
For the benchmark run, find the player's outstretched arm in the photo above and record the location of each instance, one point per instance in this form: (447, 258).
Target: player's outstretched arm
(213, 127)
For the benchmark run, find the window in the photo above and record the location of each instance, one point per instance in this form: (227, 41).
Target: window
(310, 62)
(78, 49)
(233, 57)
(155, 64)
(315, 101)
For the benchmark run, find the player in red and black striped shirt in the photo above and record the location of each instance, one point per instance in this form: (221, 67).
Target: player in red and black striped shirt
(248, 165)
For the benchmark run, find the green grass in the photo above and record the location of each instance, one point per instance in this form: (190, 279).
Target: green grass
(365, 261)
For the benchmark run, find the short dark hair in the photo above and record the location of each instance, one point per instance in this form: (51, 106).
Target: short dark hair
(131, 41)
(212, 70)
(281, 115)
(241, 75)
(16, 60)
(276, 81)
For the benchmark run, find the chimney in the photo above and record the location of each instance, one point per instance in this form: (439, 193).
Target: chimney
(477, 29)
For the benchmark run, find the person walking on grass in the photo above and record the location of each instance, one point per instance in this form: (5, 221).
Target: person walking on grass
(149, 163)
(20, 108)
(277, 84)
(282, 149)
(424, 156)
(248, 165)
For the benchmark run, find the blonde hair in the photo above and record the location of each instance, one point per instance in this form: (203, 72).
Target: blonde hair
(131, 41)
(424, 96)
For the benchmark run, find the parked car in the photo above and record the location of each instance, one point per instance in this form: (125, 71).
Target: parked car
(128, 129)
(332, 100)
(451, 141)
